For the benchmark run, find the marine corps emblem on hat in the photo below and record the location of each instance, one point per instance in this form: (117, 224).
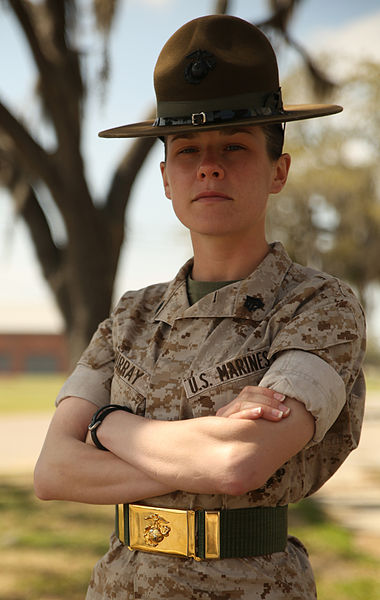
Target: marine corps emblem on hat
(202, 62)
(213, 72)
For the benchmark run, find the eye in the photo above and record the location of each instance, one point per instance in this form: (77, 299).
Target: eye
(234, 147)
(187, 150)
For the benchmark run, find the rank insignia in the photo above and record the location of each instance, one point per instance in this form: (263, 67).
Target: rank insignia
(251, 303)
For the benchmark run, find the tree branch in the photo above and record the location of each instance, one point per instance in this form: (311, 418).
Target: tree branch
(60, 86)
(321, 83)
(125, 176)
(57, 10)
(23, 16)
(30, 154)
(49, 256)
(221, 7)
(282, 12)
(28, 207)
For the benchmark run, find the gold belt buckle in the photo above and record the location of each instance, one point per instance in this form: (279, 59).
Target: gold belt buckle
(169, 531)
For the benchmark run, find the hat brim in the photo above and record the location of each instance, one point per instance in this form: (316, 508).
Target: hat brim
(296, 112)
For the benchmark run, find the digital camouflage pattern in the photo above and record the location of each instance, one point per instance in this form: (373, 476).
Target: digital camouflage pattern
(168, 360)
(126, 575)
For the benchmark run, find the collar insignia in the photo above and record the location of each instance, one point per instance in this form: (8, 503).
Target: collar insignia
(251, 303)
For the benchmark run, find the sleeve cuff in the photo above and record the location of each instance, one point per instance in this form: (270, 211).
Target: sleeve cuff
(89, 384)
(312, 381)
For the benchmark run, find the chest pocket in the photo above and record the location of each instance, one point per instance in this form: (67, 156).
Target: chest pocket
(130, 383)
(209, 390)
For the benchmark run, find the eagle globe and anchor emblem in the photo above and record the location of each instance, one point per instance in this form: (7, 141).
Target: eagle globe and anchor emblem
(156, 530)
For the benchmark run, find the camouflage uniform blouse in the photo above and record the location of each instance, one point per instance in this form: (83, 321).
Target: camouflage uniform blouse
(288, 327)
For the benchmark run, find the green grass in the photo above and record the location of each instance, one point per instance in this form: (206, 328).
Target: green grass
(29, 393)
(48, 550)
(343, 571)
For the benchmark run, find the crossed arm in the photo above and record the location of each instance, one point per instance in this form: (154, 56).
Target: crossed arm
(233, 452)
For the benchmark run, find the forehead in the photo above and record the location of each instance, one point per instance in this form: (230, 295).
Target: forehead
(252, 130)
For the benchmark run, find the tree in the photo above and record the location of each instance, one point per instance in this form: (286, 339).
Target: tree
(329, 214)
(81, 271)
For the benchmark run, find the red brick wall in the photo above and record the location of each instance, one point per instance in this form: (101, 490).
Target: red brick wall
(33, 353)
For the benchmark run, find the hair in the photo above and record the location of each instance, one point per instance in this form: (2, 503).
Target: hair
(274, 136)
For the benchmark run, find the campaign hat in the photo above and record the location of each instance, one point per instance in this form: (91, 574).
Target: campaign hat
(217, 71)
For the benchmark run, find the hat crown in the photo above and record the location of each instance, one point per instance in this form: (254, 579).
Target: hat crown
(210, 60)
(213, 72)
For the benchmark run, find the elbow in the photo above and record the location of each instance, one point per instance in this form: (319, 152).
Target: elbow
(41, 487)
(238, 486)
(241, 476)
(45, 482)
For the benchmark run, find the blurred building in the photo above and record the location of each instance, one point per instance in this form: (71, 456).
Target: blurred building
(33, 353)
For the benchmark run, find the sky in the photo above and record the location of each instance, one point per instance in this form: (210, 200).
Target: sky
(157, 245)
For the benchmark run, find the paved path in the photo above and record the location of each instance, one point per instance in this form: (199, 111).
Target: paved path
(21, 439)
(352, 496)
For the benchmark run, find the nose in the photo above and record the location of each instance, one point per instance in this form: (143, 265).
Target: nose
(210, 167)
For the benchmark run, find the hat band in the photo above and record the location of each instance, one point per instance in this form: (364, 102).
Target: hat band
(201, 112)
(216, 116)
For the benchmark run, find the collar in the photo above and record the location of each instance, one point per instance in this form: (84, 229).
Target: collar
(252, 298)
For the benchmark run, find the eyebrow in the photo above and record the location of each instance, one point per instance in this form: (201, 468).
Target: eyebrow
(232, 130)
(225, 131)
(180, 136)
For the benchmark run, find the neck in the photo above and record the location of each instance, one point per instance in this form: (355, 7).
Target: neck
(220, 259)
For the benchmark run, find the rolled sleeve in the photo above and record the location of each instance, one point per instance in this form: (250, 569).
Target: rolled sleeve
(312, 381)
(86, 383)
(92, 377)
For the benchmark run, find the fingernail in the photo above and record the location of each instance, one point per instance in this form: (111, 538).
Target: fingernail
(257, 411)
(286, 411)
(277, 413)
(278, 396)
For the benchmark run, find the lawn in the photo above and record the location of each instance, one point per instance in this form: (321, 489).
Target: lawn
(47, 550)
(29, 393)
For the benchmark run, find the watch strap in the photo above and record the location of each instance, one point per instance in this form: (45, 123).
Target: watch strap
(98, 419)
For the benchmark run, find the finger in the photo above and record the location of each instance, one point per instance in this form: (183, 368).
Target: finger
(265, 404)
(263, 412)
(220, 412)
(249, 395)
(263, 391)
(255, 395)
(248, 413)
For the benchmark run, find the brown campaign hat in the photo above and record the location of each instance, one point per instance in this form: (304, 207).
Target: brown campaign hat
(213, 72)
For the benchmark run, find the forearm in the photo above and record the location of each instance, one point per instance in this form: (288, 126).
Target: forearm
(195, 455)
(69, 469)
(210, 454)
(86, 474)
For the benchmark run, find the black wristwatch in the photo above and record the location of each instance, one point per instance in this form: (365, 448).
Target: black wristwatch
(98, 418)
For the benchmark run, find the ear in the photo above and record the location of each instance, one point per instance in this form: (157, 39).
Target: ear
(165, 179)
(281, 171)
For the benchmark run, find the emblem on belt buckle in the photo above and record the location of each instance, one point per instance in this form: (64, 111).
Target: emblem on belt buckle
(156, 530)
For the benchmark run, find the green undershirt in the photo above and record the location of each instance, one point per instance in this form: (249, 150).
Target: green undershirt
(198, 289)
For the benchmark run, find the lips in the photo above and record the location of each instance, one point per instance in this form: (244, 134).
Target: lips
(211, 195)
